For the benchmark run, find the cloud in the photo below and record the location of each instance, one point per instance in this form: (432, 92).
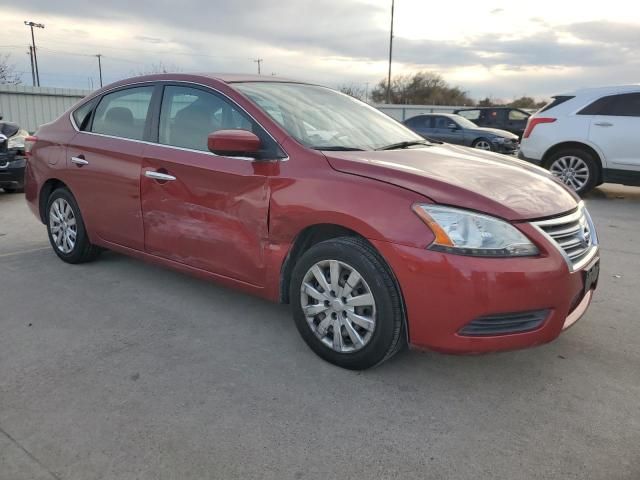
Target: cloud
(331, 41)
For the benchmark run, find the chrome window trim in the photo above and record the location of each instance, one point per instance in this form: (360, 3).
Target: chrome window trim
(580, 212)
(156, 82)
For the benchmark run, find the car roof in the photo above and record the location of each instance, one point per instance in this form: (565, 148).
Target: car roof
(433, 114)
(503, 107)
(603, 90)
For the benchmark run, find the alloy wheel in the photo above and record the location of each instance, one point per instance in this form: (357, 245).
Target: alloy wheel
(339, 305)
(483, 145)
(571, 170)
(63, 226)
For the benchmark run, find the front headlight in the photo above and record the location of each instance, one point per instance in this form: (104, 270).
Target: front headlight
(468, 233)
(499, 140)
(16, 142)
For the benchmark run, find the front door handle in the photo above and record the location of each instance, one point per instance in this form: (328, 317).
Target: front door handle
(165, 177)
(604, 124)
(79, 160)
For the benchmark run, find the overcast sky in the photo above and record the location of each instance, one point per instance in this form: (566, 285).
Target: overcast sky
(492, 48)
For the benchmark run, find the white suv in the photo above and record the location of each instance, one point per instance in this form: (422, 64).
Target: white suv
(588, 137)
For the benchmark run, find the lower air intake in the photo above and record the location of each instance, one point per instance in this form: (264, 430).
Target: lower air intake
(505, 324)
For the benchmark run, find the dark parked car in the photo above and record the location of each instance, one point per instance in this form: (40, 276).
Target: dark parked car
(449, 128)
(12, 159)
(304, 195)
(512, 120)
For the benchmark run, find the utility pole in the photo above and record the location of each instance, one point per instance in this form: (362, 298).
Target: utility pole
(259, 61)
(33, 72)
(100, 67)
(33, 42)
(390, 55)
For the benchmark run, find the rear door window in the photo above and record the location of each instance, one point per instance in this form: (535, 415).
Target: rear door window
(123, 113)
(623, 105)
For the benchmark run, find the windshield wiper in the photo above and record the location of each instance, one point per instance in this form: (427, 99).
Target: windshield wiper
(338, 148)
(399, 145)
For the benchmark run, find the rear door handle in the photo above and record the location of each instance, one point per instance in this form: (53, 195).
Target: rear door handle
(159, 176)
(604, 124)
(79, 160)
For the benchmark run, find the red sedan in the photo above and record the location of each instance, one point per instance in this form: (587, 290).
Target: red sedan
(300, 194)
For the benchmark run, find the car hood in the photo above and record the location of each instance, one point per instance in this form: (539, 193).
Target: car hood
(464, 177)
(492, 131)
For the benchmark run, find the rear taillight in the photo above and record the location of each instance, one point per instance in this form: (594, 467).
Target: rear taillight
(29, 142)
(533, 121)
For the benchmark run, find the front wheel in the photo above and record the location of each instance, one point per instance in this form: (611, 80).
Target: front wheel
(67, 233)
(482, 144)
(346, 305)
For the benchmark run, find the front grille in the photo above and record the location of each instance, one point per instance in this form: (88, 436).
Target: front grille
(505, 324)
(573, 234)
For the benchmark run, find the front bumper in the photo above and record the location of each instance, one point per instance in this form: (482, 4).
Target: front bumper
(12, 170)
(506, 148)
(443, 293)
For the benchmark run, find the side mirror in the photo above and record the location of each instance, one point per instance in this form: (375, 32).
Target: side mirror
(234, 143)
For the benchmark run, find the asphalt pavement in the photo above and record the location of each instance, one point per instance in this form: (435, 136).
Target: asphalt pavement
(122, 370)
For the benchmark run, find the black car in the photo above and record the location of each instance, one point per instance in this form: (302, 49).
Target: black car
(511, 119)
(12, 158)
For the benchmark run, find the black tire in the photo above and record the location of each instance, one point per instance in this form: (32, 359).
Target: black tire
(482, 139)
(14, 189)
(83, 250)
(588, 158)
(388, 336)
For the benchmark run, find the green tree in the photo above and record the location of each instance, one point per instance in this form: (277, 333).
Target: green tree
(421, 88)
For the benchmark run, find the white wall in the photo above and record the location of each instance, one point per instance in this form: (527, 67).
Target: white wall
(30, 107)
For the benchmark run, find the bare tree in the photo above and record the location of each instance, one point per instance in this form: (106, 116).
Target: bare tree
(421, 88)
(354, 90)
(159, 68)
(527, 102)
(8, 74)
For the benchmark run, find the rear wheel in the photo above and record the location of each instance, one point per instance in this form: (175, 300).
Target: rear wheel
(67, 233)
(482, 144)
(576, 168)
(346, 305)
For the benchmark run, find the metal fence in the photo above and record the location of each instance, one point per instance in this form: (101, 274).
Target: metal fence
(403, 112)
(31, 107)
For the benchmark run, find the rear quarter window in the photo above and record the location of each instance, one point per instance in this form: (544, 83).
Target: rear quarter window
(470, 114)
(82, 114)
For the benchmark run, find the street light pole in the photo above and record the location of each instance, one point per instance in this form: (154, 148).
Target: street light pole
(390, 54)
(33, 71)
(100, 67)
(33, 43)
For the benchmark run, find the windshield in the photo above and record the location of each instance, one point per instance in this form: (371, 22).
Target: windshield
(322, 118)
(463, 122)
